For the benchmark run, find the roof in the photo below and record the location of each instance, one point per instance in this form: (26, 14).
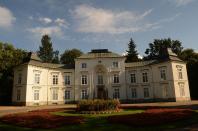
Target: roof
(100, 53)
(33, 59)
(139, 64)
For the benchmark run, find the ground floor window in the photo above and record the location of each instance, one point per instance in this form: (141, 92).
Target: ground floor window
(116, 94)
(133, 93)
(36, 94)
(181, 89)
(18, 95)
(67, 94)
(165, 90)
(54, 94)
(84, 94)
(146, 92)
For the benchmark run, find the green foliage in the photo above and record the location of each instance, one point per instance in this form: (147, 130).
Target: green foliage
(46, 50)
(132, 55)
(98, 105)
(158, 45)
(68, 57)
(9, 58)
(191, 58)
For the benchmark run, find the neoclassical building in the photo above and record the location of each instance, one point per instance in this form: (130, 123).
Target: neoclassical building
(100, 74)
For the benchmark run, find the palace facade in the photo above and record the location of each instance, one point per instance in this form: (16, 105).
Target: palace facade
(100, 74)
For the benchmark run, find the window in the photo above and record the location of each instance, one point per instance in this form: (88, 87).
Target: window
(19, 78)
(165, 90)
(179, 69)
(181, 89)
(115, 78)
(84, 65)
(115, 64)
(133, 93)
(100, 79)
(18, 95)
(54, 94)
(67, 80)
(133, 78)
(67, 94)
(84, 80)
(180, 75)
(146, 92)
(163, 74)
(36, 94)
(55, 79)
(84, 94)
(145, 77)
(37, 78)
(116, 94)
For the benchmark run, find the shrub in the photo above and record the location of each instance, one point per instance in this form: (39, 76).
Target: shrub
(98, 105)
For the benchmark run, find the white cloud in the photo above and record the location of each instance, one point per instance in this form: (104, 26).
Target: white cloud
(98, 20)
(52, 30)
(45, 20)
(181, 2)
(6, 17)
(61, 22)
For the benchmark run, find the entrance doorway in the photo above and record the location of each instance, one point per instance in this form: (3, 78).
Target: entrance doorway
(101, 92)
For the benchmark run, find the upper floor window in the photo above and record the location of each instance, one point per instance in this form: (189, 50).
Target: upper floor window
(55, 79)
(84, 80)
(37, 78)
(115, 78)
(163, 74)
(19, 78)
(100, 79)
(115, 64)
(145, 77)
(84, 65)
(133, 78)
(116, 94)
(67, 80)
(180, 74)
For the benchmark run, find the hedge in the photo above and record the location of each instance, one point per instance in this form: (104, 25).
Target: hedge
(98, 105)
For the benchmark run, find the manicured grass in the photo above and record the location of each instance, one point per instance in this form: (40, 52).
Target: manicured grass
(74, 113)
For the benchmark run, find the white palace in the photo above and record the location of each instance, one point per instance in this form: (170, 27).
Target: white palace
(101, 74)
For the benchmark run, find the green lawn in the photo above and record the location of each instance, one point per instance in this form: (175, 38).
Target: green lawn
(99, 123)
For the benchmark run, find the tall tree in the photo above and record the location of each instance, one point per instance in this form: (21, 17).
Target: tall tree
(9, 58)
(132, 55)
(154, 49)
(46, 50)
(56, 57)
(69, 55)
(191, 58)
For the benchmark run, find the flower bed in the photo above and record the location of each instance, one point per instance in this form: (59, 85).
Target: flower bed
(41, 119)
(152, 117)
(93, 106)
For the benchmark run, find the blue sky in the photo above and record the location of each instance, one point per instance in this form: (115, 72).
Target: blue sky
(89, 24)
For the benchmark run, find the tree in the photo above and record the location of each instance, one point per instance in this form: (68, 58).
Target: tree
(56, 57)
(158, 45)
(191, 58)
(132, 55)
(9, 57)
(69, 55)
(46, 50)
